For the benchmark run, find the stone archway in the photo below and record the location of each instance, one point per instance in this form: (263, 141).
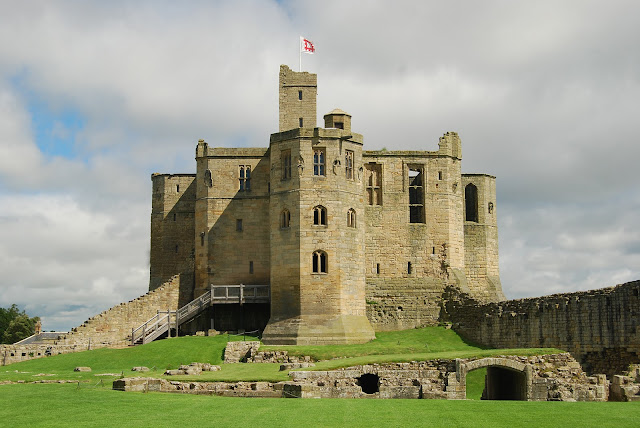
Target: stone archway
(506, 379)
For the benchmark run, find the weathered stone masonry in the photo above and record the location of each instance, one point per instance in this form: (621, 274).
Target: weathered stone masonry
(349, 241)
(601, 328)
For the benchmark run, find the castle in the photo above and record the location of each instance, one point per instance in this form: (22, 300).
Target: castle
(344, 241)
(315, 241)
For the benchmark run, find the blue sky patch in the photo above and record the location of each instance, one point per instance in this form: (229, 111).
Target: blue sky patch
(55, 129)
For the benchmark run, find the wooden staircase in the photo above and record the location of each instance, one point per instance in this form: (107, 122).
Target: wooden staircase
(164, 321)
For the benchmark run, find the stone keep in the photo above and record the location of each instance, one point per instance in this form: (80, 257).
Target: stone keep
(348, 240)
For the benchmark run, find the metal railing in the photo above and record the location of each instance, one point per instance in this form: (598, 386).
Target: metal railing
(240, 293)
(163, 321)
(153, 328)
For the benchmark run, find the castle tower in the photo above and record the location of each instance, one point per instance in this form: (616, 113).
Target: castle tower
(317, 229)
(481, 237)
(297, 96)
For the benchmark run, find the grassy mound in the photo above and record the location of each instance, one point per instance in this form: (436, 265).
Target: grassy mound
(398, 346)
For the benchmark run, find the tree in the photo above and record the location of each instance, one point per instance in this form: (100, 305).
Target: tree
(15, 325)
(6, 316)
(19, 328)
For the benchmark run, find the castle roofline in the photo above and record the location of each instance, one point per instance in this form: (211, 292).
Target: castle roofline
(479, 175)
(161, 174)
(327, 133)
(248, 152)
(403, 153)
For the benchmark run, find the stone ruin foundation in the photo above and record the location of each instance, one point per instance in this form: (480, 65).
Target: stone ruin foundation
(556, 377)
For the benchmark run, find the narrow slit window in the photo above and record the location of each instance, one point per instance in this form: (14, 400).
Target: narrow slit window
(348, 164)
(416, 195)
(250, 267)
(300, 95)
(351, 218)
(318, 162)
(373, 180)
(285, 161)
(439, 175)
(377, 268)
(174, 216)
(285, 219)
(177, 188)
(409, 268)
(300, 122)
(245, 177)
(239, 224)
(177, 248)
(471, 203)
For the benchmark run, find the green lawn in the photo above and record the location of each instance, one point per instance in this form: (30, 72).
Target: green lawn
(66, 405)
(397, 346)
(91, 402)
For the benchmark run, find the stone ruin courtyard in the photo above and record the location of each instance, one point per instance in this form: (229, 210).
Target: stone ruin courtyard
(554, 377)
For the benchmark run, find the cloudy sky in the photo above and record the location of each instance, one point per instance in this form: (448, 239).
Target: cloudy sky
(96, 96)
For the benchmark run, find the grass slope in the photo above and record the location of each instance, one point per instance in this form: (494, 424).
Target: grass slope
(65, 405)
(397, 346)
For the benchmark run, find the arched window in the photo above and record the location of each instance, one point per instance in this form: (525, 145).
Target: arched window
(471, 202)
(351, 218)
(319, 261)
(320, 215)
(285, 218)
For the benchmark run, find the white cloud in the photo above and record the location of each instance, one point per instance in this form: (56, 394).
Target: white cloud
(544, 96)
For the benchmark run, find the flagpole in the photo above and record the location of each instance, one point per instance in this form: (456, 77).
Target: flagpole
(300, 53)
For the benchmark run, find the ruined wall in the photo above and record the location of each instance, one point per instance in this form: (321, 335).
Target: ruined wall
(601, 328)
(481, 237)
(403, 303)
(110, 328)
(113, 326)
(172, 231)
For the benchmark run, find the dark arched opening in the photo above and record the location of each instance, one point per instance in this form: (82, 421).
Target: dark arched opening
(471, 202)
(502, 383)
(370, 383)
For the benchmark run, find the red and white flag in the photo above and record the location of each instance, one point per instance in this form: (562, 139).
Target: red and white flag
(306, 46)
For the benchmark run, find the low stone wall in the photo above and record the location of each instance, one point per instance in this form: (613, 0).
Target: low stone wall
(538, 378)
(601, 328)
(626, 387)
(10, 354)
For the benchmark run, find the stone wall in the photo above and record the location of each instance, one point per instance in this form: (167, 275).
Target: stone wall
(403, 303)
(111, 328)
(601, 328)
(539, 378)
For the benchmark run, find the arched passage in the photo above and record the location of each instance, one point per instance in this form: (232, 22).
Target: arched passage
(505, 379)
(504, 384)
